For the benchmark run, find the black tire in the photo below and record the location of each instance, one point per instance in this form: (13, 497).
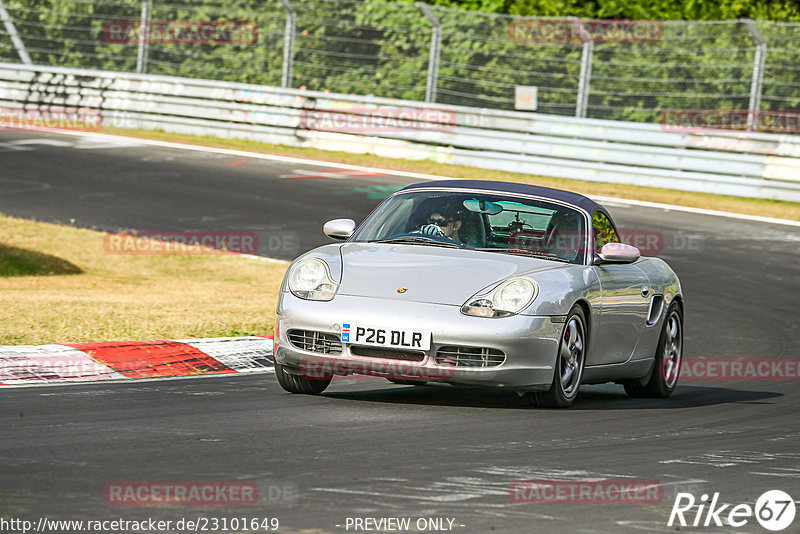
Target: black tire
(570, 361)
(300, 384)
(668, 359)
(407, 382)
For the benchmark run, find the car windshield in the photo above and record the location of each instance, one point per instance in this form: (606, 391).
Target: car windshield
(486, 221)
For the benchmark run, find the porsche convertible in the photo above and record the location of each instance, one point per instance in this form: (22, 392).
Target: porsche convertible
(486, 284)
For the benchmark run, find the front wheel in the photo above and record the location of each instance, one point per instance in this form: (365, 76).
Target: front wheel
(300, 384)
(568, 369)
(669, 356)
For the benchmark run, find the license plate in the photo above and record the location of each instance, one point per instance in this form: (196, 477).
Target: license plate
(386, 337)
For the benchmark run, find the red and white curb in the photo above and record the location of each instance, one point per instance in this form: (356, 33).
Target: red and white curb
(123, 360)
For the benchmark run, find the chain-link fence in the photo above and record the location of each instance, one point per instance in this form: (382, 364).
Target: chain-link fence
(632, 70)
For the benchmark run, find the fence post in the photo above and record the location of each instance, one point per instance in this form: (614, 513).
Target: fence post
(144, 37)
(288, 43)
(758, 74)
(436, 48)
(586, 71)
(12, 32)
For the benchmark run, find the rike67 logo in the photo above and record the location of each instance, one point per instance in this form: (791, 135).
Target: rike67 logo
(774, 510)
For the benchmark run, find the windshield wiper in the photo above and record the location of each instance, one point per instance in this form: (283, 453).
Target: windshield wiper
(525, 252)
(417, 240)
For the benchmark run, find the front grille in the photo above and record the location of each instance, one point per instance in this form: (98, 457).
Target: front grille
(394, 354)
(315, 341)
(469, 356)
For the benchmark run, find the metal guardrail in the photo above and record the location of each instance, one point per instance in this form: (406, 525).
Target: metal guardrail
(742, 164)
(589, 68)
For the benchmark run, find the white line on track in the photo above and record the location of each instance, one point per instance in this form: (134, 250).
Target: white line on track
(422, 176)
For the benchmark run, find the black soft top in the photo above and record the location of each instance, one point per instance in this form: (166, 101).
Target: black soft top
(569, 197)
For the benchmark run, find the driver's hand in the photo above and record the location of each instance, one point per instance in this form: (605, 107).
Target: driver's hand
(431, 229)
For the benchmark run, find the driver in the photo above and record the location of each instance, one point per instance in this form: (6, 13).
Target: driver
(443, 222)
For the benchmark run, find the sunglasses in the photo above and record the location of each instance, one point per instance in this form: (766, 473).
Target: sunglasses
(439, 222)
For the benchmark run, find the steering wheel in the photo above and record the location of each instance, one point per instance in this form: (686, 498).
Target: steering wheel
(434, 235)
(431, 230)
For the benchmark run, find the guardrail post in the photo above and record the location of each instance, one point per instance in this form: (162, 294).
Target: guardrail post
(436, 48)
(758, 73)
(12, 32)
(288, 43)
(144, 37)
(586, 71)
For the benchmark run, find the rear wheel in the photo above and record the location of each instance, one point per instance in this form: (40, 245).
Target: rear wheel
(300, 384)
(569, 364)
(669, 356)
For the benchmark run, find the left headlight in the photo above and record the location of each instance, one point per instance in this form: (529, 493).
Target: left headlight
(311, 279)
(510, 297)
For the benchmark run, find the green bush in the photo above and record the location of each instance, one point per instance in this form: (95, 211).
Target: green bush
(379, 48)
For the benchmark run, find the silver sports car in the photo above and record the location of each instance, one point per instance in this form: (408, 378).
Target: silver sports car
(484, 284)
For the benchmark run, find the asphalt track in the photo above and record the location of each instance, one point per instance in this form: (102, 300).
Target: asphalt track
(367, 448)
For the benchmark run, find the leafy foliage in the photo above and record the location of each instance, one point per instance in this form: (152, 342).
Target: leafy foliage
(382, 48)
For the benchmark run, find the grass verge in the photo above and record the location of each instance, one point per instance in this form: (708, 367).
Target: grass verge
(59, 285)
(749, 206)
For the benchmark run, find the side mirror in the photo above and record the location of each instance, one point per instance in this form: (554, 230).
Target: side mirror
(339, 228)
(618, 253)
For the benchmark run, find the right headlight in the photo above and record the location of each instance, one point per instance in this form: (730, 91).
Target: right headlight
(510, 297)
(310, 279)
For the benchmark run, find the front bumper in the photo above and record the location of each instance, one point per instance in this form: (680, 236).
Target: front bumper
(530, 343)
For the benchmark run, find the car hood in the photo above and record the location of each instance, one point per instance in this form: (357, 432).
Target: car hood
(429, 274)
